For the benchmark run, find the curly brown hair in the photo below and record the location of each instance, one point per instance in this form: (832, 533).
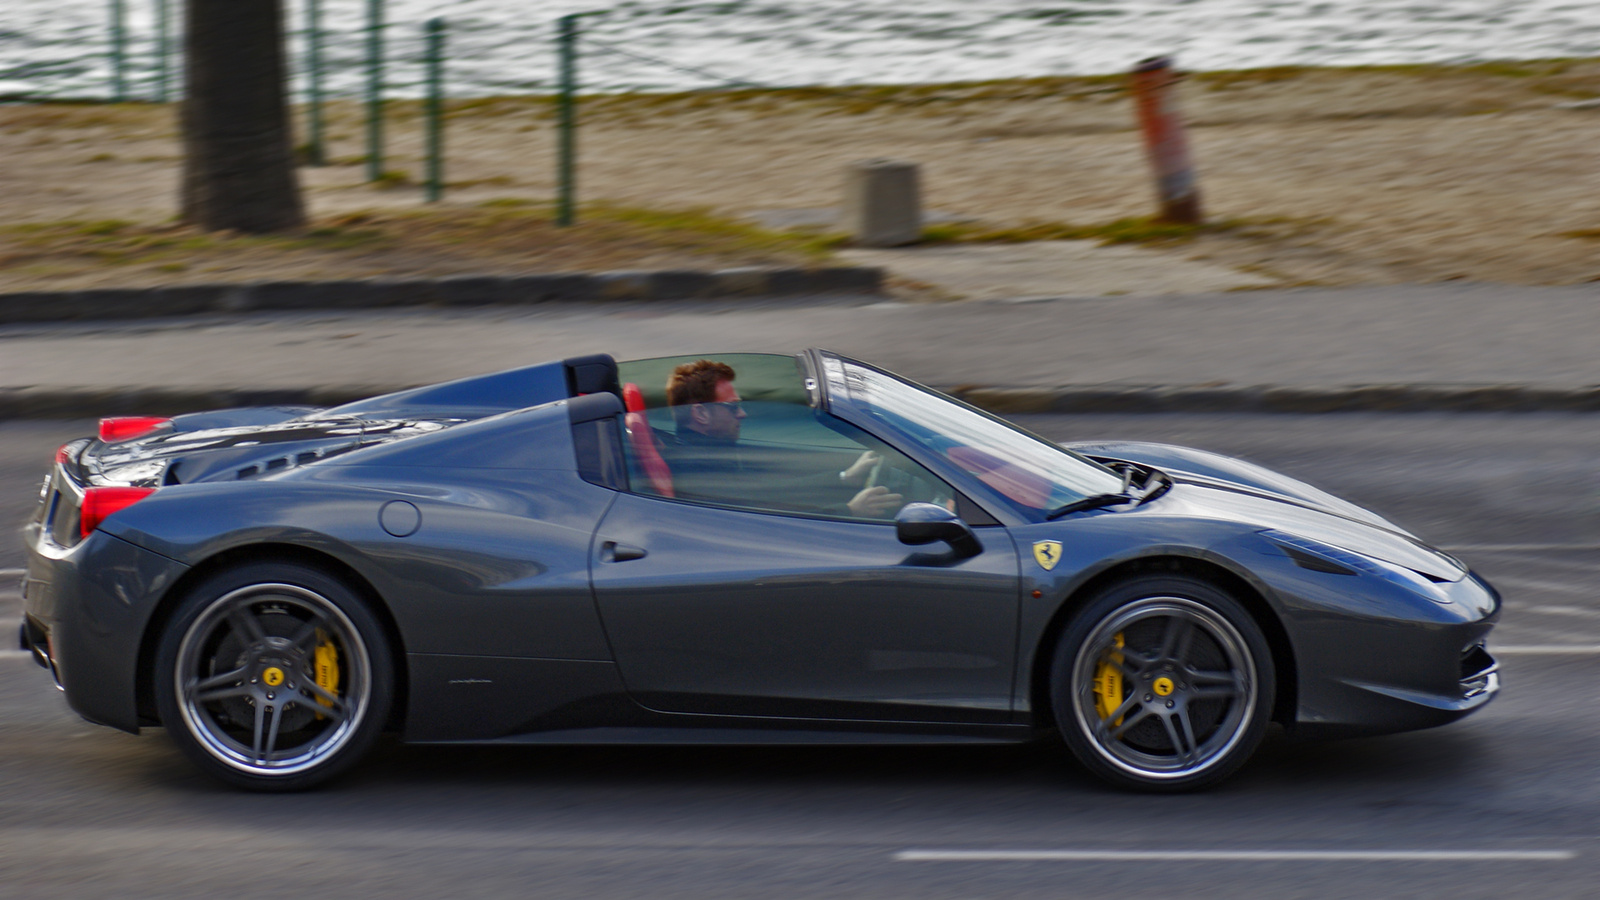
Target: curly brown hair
(696, 382)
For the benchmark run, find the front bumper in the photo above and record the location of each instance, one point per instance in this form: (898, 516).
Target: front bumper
(1399, 664)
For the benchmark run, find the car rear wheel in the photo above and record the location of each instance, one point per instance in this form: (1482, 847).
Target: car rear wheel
(274, 676)
(1163, 683)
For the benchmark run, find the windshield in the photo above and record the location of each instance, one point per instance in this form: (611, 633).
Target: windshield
(1026, 469)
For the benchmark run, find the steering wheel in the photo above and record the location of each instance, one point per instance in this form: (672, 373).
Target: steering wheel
(912, 486)
(874, 474)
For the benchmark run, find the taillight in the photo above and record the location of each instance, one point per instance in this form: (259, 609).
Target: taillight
(61, 453)
(126, 428)
(99, 502)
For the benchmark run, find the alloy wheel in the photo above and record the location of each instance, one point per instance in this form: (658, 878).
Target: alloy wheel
(1164, 688)
(272, 679)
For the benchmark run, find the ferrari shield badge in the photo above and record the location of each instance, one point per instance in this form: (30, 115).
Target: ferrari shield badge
(1047, 553)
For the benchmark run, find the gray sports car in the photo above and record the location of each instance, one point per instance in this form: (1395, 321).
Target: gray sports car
(742, 549)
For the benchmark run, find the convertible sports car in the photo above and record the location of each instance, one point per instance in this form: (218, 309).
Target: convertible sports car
(554, 554)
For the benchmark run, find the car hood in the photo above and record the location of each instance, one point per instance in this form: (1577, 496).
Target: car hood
(1211, 485)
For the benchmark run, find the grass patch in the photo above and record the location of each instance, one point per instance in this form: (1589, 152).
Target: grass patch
(391, 179)
(1226, 79)
(490, 181)
(103, 227)
(1137, 230)
(115, 242)
(847, 99)
(1564, 76)
(1123, 231)
(503, 236)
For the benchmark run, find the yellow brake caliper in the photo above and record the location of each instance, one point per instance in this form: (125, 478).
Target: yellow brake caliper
(1108, 685)
(327, 662)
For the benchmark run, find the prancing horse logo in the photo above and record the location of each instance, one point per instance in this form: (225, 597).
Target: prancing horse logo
(1048, 553)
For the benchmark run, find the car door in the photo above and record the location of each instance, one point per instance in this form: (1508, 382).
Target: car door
(740, 606)
(726, 611)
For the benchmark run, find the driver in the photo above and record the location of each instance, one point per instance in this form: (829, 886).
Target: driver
(709, 462)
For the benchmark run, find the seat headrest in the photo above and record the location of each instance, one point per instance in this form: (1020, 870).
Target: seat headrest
(632, 397)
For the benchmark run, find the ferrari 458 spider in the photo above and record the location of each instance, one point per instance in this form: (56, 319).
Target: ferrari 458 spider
(809, 550)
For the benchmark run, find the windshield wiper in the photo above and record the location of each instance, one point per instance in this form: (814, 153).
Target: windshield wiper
(1155, 485)
(1094, 502)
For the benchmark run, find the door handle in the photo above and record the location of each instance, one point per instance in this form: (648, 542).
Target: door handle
(611, 551)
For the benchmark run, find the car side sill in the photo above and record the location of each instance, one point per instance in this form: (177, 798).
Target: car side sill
(767, 737)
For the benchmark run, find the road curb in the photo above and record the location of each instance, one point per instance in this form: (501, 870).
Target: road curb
(70, 403)
(1283, 399)
(463, 291)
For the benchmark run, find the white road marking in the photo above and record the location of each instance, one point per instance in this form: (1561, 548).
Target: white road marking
(1512, 582)
(1231, 855)
(1546, 650)
(1515, 548)
(1551, 610)
(16, 654)
(12, 573)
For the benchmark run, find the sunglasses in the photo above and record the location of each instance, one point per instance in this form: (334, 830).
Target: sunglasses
(734, 407)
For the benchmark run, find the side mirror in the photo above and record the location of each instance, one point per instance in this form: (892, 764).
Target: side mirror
(928, 523)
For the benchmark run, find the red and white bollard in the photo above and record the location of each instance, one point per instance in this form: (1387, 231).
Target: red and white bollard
(1155, 94)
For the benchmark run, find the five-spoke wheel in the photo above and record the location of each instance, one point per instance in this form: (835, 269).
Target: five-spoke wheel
(273, 676)
(1163, 683)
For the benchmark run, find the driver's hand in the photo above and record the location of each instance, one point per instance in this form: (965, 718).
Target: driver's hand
(858, 471)
(875, 503)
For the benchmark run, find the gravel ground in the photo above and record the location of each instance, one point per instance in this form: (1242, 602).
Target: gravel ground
(1335, 177)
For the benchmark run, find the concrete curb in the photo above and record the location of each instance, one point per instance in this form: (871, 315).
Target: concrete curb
(71, 403)
(475, 290)
(1283, 399)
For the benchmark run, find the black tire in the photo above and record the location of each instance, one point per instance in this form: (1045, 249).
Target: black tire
(1162, 683)
(273, 676)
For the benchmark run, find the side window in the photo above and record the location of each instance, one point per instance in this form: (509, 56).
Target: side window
(785, 458)
(599, 451)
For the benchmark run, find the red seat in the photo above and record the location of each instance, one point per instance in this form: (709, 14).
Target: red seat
(1008, 478)
(643, 440)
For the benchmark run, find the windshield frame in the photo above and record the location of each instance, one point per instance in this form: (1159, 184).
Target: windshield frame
(828, 372)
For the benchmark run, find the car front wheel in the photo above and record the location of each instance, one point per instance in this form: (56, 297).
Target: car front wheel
(273, 676)
(1163, 683)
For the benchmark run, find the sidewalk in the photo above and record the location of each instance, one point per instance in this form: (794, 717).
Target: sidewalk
(1429, 347)
(1041, 268)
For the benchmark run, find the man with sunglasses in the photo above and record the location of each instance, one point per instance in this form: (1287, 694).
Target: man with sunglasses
(709, 463)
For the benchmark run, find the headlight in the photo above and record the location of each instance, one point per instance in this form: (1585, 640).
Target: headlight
(1320, 557)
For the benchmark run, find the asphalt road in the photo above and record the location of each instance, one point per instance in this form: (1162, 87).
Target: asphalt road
(1502, 804)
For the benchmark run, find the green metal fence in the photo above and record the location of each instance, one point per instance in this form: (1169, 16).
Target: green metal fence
(571, 44)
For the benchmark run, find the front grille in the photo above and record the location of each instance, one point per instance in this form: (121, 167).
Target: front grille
(1479, 672)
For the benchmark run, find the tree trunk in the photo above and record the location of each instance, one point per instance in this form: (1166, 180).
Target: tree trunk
(238, 164)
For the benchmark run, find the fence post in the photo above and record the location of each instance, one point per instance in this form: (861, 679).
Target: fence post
(1165, 143)
(118, 54)
(316, 149)
(435, 111)
(163, 52)
(374, 89)
(566, 111)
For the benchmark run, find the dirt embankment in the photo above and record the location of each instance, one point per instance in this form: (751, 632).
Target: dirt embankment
(1324, 176)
